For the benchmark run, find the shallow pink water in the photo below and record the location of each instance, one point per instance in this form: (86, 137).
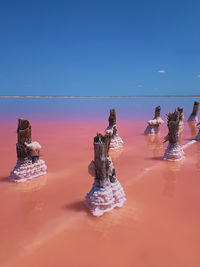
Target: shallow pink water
(45, 223)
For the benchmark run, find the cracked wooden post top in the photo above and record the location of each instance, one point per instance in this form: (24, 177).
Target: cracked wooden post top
(173, 119)
(24, 131)
(195, 108)
(112, 117)
(157, 112)
(180, 110)
(103, 140)
(24, 136)
(101, 149)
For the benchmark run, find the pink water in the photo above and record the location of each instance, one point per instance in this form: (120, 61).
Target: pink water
(45, 223)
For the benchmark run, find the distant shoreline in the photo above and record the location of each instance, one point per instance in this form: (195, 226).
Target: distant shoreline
(148, 96)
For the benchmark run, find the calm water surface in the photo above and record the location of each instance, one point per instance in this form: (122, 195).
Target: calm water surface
(44, 222)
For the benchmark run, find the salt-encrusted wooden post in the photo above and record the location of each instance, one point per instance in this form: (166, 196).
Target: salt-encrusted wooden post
(106, 192)
(112, 120)
(181, 116)
(101, 147)
(116, 141)
(174, 152)
(194, 116)
(153, 125)
(29, 165)
(157, 112)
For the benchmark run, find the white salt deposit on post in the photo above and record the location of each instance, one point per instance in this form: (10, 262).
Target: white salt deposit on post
(153, 125)
(29, 165)
(116, 141)
(107, 192)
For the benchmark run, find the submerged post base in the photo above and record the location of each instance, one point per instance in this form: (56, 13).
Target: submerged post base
(174, 152)
(105, 196)
(27, 170)
(152, 129)
(193, 118)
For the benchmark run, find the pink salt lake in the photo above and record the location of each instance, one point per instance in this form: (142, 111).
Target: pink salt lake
(44, 222)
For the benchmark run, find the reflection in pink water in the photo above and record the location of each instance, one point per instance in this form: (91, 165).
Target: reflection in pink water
(45, 223)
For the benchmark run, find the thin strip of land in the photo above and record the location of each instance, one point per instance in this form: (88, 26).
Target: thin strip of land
(131, 96)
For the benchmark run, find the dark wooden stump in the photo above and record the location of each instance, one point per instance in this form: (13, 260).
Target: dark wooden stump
(195, 108)
(173, 127)
(157, 112)
(102, 160)
(24, 136)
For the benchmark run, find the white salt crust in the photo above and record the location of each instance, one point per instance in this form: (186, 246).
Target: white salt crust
(105, 196)
(118, 194)
(24, 171)
(181, 123)
(35, 147)
(109, 130)
(156, 121)
(153, 126)
(116, 142)
(174, 152)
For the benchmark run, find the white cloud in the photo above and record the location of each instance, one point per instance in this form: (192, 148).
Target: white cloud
(198, 76)
(161, 71)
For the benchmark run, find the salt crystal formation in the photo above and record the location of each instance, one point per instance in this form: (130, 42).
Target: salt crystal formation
(153, 125)
(107, 192)
(174, 152)
(194, 116)
(198, 135)
(29, 165)
(116, 141)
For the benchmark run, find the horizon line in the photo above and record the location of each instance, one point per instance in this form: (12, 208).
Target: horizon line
(131, 96)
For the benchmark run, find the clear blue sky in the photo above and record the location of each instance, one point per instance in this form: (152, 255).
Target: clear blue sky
(99, 47)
